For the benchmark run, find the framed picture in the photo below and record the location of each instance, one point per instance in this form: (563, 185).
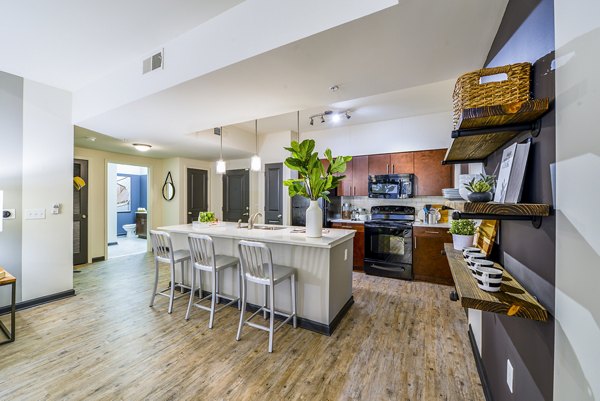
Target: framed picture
(123, 194)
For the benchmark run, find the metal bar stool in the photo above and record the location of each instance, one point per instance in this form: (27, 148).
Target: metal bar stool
(202, 250)
(163, 252)
(257, 267)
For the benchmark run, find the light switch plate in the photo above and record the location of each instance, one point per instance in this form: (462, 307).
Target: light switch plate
(35, 214)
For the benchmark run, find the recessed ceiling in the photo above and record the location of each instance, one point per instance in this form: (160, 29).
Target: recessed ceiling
(84, 40)
(411, 45)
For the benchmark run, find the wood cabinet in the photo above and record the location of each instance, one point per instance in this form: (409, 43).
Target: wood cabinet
(429, 257)
(358, 251)
(141, 224)
(379, 164)
(402, 163)
(357, 178)
(430, 175)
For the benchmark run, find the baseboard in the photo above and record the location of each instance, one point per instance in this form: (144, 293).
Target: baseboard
(38, 301)
(321, 328)
(487, 393)
(98, 259)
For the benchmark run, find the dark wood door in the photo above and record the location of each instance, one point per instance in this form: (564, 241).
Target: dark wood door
(236, 197)
(360, 175)
(429, 258)
(430, 175)
(402, 163)
(197, 193)
(379, 164)
(274, 193)
(80, 213)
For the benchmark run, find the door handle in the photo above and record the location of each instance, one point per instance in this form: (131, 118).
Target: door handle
(279, 216)
(189, 212)
(83, 216)
(244, 214)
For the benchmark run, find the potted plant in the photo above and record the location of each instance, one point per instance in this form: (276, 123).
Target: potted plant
(314, 181)
(205, 219)
(481, 188)
(463, 232)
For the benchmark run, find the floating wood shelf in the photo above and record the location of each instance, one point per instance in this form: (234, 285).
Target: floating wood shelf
(483, 130)
(499, 211)
(511, 300)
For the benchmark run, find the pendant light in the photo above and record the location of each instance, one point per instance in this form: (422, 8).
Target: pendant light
(255, 163)
(221, 166)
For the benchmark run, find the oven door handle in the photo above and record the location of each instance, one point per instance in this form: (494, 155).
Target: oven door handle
(401, 268)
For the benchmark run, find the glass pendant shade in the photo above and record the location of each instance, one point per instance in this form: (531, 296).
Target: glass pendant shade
(221, 167)
(255, 163)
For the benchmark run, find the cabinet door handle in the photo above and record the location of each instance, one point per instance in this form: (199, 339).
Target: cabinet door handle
(415, 241)
(387, 168)
(393, 168)
(354, 191)
(346, 227)
(432, 232)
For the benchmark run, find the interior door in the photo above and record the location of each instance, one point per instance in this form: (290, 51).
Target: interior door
(274, 193)
(80, 213)
(197, 193)
(236, 197)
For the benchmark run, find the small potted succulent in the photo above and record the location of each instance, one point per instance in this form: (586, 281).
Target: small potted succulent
(463, 232)
(481, 188)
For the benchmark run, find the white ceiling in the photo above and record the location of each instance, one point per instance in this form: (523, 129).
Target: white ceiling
(70, 43)
(384, 63)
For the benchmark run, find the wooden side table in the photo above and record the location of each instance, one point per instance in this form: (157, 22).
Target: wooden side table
(9, 279)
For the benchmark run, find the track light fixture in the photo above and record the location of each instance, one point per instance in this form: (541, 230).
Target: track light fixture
(335, 116)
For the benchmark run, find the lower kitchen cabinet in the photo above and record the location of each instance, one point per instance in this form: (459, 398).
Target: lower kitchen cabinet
(359, 242)
(429, 258)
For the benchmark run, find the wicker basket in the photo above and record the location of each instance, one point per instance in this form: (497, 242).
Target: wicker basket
(469, 92)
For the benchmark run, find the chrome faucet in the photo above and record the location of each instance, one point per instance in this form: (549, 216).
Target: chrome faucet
(252, 218)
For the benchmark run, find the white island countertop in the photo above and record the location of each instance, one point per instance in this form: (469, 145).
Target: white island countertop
(331, 236)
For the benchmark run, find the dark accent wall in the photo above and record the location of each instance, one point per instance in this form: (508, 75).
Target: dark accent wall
(11, 177)
(139, 188)
(526, 34)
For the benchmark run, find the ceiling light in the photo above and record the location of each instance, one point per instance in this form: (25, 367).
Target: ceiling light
(142, 147)
(335, 118)
(255, 163)
(334, 88)
(221, 166)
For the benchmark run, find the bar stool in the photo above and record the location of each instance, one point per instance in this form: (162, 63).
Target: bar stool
(202, 251)
(257, 267)
(163, 252)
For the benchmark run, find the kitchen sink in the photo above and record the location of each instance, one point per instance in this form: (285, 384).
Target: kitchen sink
(265, 227)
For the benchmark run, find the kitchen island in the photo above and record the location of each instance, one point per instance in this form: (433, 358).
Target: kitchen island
(324, 268)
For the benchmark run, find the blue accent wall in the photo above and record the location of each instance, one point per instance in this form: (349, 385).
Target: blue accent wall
(139, 190)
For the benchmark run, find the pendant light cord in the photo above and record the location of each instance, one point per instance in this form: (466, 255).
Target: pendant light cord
(221, 135)
(256, 135)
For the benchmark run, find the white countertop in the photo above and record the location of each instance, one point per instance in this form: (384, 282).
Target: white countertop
(347, 221)
(331, 236)
(438, 225)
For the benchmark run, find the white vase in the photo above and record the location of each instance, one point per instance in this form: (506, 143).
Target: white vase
(314, 220)
(462, 241)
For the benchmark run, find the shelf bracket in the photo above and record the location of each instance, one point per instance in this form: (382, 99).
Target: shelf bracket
(536, 221)
(536, 128)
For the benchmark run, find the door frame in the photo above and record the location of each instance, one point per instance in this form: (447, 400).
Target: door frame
(87, 201)
(149, 196)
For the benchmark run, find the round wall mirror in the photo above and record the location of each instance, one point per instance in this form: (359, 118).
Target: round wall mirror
(168, 189)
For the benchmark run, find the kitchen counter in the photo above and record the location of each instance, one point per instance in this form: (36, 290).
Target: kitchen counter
(324, 269)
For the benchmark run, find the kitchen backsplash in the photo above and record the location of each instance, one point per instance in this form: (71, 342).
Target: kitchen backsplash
(418, 202)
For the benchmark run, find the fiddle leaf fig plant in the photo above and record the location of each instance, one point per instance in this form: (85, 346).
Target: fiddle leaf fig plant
(314, 180)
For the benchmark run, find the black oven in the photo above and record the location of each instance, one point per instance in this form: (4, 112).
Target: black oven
(391, 186)
(388, 242)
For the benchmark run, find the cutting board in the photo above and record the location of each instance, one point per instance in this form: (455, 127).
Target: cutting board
(486, 235)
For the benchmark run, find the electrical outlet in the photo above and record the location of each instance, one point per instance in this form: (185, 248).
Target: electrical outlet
(509, 375)
(35, 214)
(9, 214)
(345, 254)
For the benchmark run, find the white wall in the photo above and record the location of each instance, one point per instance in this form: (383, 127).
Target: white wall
(577, 328)
(111, 203)
(430, 131)
(47, 251)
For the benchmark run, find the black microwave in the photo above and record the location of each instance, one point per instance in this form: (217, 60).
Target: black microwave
(391, 186)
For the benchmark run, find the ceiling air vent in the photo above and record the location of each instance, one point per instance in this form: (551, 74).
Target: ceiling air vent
(153, 62)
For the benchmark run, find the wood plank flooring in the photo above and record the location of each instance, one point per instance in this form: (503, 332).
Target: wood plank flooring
(399, 341)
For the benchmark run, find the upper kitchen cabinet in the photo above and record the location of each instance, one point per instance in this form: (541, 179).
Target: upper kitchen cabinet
(430, 175)
(379, 164)
(356, 182)
(402, 163)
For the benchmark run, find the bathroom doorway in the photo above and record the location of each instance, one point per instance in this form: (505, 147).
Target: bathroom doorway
(127, 209)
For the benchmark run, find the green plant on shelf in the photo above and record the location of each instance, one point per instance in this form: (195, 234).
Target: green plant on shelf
(207, 217)
(462, 227)
(483, 184)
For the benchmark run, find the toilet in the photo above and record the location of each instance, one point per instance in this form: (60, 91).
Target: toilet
(130, 229)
